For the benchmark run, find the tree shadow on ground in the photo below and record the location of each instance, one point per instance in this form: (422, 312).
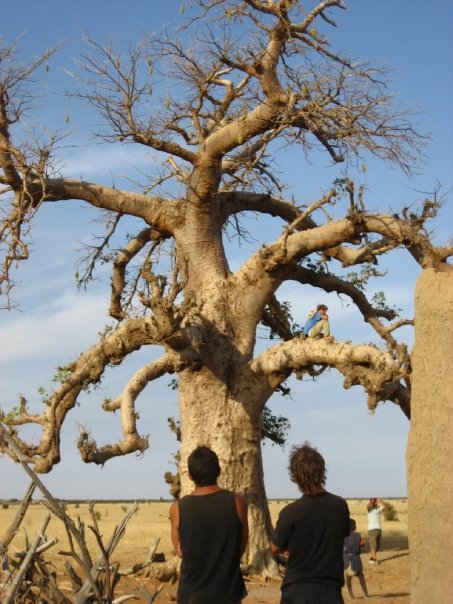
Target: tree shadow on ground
(383, 560)
(395, 541)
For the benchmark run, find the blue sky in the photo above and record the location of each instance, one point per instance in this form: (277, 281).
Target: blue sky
(365, 453)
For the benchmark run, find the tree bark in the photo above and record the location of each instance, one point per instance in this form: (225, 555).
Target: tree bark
(230, 425)
(430, 447)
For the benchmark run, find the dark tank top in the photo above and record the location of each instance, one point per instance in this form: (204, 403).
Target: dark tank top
(210, 533)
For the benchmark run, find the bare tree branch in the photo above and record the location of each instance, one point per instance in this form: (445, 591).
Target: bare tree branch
(87, 369)
(19, 516)
(367, 366)
(132, 441)
(10, 597)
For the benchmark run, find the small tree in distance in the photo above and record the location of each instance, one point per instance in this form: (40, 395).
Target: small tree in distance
(238, 101)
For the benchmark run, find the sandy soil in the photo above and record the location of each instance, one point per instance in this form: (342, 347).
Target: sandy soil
(387, 582)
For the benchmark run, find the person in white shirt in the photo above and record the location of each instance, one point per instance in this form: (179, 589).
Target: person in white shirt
(374, 508)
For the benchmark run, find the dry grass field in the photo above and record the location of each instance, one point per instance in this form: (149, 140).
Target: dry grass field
(387, 583)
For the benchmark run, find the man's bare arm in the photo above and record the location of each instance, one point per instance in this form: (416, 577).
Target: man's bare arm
(241, 508)
(275, 549)
(174, 520)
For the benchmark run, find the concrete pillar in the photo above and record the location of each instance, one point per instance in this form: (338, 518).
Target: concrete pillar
(430, 445)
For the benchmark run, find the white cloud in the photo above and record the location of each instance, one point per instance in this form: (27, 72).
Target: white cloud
(64, 327)
(86, 162)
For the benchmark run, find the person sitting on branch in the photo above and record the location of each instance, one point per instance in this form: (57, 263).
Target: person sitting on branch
(317, 324)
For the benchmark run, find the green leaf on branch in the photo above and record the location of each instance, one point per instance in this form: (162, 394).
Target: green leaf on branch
(274, 427)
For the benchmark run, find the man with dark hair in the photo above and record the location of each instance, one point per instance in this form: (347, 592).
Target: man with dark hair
(311, 532)
(209, 531)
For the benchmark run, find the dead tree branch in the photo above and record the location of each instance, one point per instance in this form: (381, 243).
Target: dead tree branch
(19, 516)
(11, 594)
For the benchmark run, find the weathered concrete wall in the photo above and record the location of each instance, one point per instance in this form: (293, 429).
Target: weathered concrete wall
(430, 446)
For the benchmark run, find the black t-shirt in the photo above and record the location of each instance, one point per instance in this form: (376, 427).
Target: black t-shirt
(210, 533)
(312, 529)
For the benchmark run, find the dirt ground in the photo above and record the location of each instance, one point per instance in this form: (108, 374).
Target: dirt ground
(387, 582)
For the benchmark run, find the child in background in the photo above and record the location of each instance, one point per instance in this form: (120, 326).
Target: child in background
(352, 562)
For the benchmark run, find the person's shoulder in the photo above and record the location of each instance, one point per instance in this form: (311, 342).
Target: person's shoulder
(228, 493)
(239, 500)
(292, 506)
(240, 497)
(337, 498)
(338, 502)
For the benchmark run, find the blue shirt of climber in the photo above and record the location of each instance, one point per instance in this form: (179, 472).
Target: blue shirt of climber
(311, 322)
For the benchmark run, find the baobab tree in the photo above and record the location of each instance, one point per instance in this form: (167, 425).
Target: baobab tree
(250, 79)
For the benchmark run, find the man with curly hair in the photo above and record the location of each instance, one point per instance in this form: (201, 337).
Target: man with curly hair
(311, 532)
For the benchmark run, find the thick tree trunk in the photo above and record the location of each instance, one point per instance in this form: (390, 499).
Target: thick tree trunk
(430, 448)
(210, 415)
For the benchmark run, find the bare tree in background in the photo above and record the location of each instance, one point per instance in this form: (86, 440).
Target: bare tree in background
(250, 80)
